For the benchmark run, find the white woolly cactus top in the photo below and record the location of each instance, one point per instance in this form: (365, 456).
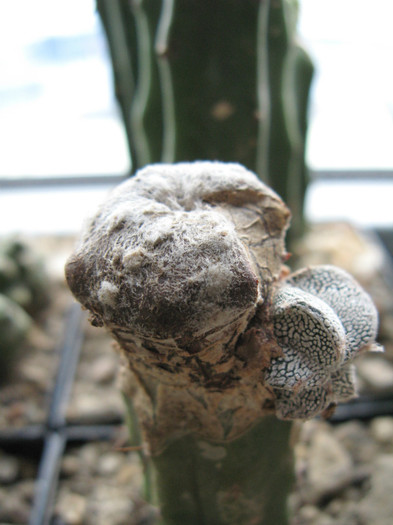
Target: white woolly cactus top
(167, 255)
(184, 264)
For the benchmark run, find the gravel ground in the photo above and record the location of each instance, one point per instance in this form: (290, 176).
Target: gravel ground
(344, 477)
(344, 471)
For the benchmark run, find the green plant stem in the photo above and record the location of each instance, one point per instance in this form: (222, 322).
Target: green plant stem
(223, 80)
(135, 440)
(242, 482)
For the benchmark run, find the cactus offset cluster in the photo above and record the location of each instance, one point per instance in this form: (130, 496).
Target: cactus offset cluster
(322, 320)
(23, 295)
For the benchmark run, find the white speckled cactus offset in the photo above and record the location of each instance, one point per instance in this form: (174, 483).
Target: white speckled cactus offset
(185, 265)
(322, 319)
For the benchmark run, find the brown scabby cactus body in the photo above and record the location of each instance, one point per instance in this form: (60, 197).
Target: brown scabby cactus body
(178, 247)
(184, 265)
(176, 263)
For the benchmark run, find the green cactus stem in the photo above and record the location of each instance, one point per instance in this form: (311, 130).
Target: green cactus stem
(223, 80)
(244, 481)
(183, 264)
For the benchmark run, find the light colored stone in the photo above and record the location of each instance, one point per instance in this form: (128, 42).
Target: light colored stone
(354, 436)
(377, 506)
(307, 514)
(376, 372)
(382, 430)
(9, 469)
(12, 507)
(110, 505)
(70, 465)
(109, 463)
(103, 369)
(130, 473)
(89, 404)
(330, 467)
(72, 508)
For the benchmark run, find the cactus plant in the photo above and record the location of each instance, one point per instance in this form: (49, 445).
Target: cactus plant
(223, 80)
(14, 325)
(184, 264)
(22, 275)
(23, 295)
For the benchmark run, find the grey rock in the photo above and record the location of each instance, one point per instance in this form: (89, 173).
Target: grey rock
(354, 436)
(9, 469)
(377, 506)
(72, 508)
(330, 467)
(376, 372)
(381, 430)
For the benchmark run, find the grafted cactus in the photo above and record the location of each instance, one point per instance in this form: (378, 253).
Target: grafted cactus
(184, 264)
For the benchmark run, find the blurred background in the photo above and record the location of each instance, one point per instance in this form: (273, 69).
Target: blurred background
(62, 141)
(62, 147)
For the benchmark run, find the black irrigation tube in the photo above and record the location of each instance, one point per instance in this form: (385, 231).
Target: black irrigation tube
(30, 439)
(55, 435)
(363, 408)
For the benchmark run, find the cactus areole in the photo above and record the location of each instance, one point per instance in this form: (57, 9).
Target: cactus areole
(185, 265)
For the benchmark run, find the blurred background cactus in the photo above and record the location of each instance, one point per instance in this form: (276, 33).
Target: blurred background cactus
(22, 275)
(23, 295)
(223, 80)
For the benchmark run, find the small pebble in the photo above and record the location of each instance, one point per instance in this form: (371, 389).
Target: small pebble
(308, 514)
(72, 508)
(70, 466)
(382, 430)
(92, 404)
(9, 469)
(355, 437)
(109, 463)
(376, 372)
(130, 473)
(330, 467)
(103, 369)
(377, 505)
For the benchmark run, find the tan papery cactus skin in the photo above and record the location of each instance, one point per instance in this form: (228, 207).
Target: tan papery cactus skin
(179, 264)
